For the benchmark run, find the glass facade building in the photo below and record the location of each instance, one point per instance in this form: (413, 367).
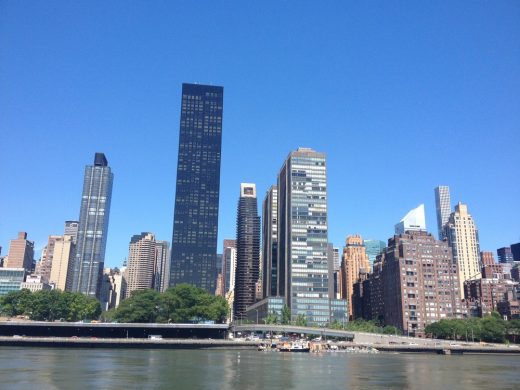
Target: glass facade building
(195, 224)
(443, 208)
(11, 279)
(269, 243)
(373, 248)
(303, 258)
(93, 227)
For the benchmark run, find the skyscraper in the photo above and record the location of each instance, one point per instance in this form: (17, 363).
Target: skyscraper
(229, 262)
(443, 208)
(63, 256)
(515, 250)
(462, 235)
(21, 253)
(269, 242)
(71, 229)
(195, 225)
(43, 268)
(355, 260)
(93, 227)
(162, 265)
(373, 249)
(141, 262)
(505, 255)
(413, 221)
(248, 250)
(303, 277)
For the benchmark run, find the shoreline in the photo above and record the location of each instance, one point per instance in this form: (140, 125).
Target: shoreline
(141, 343)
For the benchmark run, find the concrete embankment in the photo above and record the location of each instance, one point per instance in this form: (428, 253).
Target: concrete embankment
(86, 342)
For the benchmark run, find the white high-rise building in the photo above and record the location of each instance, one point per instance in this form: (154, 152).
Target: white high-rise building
(462, 235)
(415, 220)
(443, 208)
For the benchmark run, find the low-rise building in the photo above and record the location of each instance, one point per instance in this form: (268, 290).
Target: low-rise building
(35, 283)
(11, 279)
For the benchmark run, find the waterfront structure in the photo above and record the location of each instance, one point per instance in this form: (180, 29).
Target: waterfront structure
(486, 258)
(420, 281)
(195, 225)
(35, 283)
(505, 255)
(71, 229)
(61, 269)
(515, 250)
(43, 267)
(21, 253)
(229, 262)
(355, 260)
(248, 250)
(87, 268)
(11, 279)
(462, 235)
(443, 208)
(303, 277)
(414, 220)
(141, 262)
(373, 248)
(269, 243)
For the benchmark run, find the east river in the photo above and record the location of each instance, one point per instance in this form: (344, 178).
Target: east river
(46, 368)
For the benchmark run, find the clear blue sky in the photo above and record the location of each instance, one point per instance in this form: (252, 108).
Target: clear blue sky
(402, 96)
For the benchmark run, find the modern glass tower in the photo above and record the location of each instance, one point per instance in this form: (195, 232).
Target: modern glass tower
(195, 222)
(93, 227)
(443, 208)
(303, 239)
(269, 242)
(248, 250)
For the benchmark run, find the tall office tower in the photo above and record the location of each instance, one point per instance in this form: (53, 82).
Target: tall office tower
(21, 253)
(373, 249)
(420, 282)
(505, 255)
(443, 208)
(43, 268)
(486, 258)
(355, 261)
(162, 266)
(195, 224)
(269, 237)
(229, 262)
(248, 250)
(93, 227)
(63, 256)
(71, 229)
(413, 221)
(515, 250)
(462, 235)
(141, 262)
(303, 238)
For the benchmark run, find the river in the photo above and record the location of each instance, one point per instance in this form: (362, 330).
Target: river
(57, 368)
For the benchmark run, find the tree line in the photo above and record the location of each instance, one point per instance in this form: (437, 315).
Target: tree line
(53, 305)
(180, 304)
(491, 328)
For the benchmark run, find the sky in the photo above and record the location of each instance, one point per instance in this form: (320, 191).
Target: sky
(401, 96)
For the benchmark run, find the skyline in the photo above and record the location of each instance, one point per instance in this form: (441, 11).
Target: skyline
(388, 113)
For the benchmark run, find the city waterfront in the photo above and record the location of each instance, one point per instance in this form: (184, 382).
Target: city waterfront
(58, 368)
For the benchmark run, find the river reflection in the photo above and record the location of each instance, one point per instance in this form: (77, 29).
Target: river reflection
(42, 368)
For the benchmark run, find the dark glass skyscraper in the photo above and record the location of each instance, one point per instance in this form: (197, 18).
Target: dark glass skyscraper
(93, 227)
(195, 224)
(248, 250)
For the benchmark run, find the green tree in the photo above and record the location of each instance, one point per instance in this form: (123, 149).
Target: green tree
(286, 315)
(301, 320)
(272, 318)
(142, 306)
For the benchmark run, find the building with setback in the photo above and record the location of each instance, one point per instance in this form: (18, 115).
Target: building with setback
(87, 269)
(195, 221)
(248, 250)
(462, 235)
(420, 282)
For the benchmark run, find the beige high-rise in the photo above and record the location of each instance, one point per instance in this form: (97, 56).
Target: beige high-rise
(141, 263)
(355, 260)
(462, 235)
(43, 268)
(60, 273)
(21, 253)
